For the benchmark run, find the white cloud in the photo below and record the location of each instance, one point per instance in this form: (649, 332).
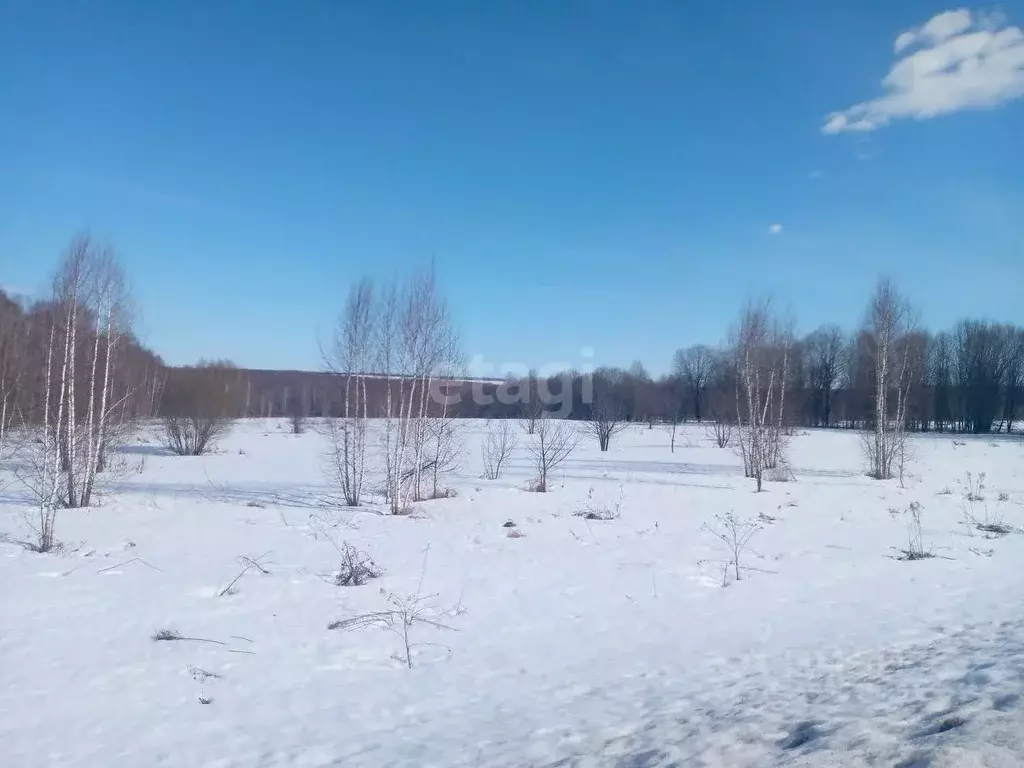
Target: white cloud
(953, 62)
(816, 174)
(937, 29)
(775, 229)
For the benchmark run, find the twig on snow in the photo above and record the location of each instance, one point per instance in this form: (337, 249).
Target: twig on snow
(129, 562)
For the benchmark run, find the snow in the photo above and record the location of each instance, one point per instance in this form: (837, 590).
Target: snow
(584, 642)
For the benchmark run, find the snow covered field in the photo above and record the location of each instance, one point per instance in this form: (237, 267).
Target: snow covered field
(583, 642)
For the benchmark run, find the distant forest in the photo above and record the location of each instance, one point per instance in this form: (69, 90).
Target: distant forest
(971, 380)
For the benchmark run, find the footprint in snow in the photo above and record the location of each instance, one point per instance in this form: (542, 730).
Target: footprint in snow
(803, 733)
(938, 726)
(1005, 702)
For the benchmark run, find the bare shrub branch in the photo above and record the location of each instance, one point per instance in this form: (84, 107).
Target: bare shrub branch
(248, 564)
(175, 635)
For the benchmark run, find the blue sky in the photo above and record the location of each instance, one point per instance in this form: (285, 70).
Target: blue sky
(587, 174)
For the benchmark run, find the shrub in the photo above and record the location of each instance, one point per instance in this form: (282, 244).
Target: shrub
(197, 406)
(915, 549)
(735, 533)
(357, 567)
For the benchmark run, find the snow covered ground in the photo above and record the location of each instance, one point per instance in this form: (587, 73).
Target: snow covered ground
(586, 643)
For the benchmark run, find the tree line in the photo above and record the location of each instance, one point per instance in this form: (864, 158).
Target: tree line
(969, 379)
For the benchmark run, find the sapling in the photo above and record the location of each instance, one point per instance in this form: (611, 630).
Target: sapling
(915, 549)
(555, 439)
(736, 533)
(404, 612)
(499, 443)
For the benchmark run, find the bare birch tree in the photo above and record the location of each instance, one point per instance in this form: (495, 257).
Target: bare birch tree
(44, 463)
(761, 353)
(531, 404)
(352, 358)
(889, 325)
(444, 444)
(81, 413)
(499, 443)
(416, 343)
(90, 320)
(554, 440)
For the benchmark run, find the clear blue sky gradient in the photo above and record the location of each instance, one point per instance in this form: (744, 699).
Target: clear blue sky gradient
(587, 174)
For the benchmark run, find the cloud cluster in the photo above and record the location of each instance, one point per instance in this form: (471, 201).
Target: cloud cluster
(955, 61)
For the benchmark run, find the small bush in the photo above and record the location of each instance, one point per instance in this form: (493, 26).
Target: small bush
(592, 510)
(191, 435)
(977, 514)
(915, 549)
(167, 634)
(596, 513)
(197, 405)
(173, 635)
(721, 432)
(356, 569)
(735, 533)
(779, 474)
(403, 613)
(975, 489)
